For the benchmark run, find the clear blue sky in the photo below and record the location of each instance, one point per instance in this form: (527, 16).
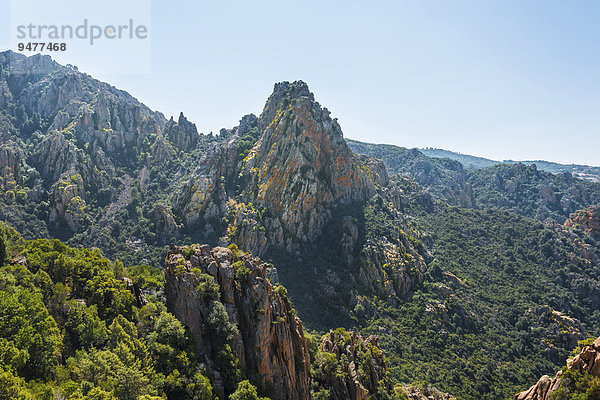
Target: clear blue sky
(500, 79)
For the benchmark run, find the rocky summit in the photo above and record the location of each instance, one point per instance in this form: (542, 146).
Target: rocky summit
(301, 166)
(296, 169)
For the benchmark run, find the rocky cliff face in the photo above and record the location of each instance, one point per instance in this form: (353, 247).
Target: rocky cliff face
(300, 166)
(11, 158)
(586, 362)
(72, 176)
(202, 200)
(588, 220)
(70, 145)
(362, 367)
(269, 339)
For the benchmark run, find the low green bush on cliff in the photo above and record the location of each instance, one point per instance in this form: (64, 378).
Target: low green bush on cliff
(577, 386)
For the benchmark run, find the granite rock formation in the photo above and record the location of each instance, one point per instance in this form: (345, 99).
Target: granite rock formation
(587, 361)
(588, 220)
(349, 349)
(269, 339)
(300, 166)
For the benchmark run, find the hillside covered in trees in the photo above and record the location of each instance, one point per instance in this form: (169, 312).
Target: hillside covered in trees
(142, 259)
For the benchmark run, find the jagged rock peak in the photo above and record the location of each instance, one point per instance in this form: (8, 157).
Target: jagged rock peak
(182, 133)
(247, 123)
(301, 166)
(293, 89)
(290, 90)
(37, 64)
(283, 94)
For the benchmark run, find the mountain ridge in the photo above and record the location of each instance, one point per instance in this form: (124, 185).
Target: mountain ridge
(474, 162)
(476, 282)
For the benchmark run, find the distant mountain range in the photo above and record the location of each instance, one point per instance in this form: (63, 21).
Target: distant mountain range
(474, 162)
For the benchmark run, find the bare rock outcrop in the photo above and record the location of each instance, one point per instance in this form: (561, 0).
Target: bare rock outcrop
(269, 339)
(587, 361)
(425, 393)
(202, 199)
(587, 219)
(69, 202)
(165, 223)
(351, 366)
(300, 166)
(11, 158)
(183, 133)
(71, 174)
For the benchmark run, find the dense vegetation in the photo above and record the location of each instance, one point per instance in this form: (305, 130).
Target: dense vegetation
(482, 326)
(71, 327)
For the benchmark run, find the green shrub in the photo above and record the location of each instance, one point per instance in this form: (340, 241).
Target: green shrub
(206, 285)
(246, 391)
(235, 251)
(242, 273)
(281, 291)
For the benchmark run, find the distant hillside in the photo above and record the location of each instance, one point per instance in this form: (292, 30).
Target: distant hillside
(474, 162)
(529, 191)
(580, 171)
(443, 177)
(540, 191)
(469, 162)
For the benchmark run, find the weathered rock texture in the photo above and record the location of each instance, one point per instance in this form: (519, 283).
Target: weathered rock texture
(361, 366)
(587, 361)
(202, 200)
(11, 158)
(588, 220)
(182, 133)
(270, 339)
(301, 166)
